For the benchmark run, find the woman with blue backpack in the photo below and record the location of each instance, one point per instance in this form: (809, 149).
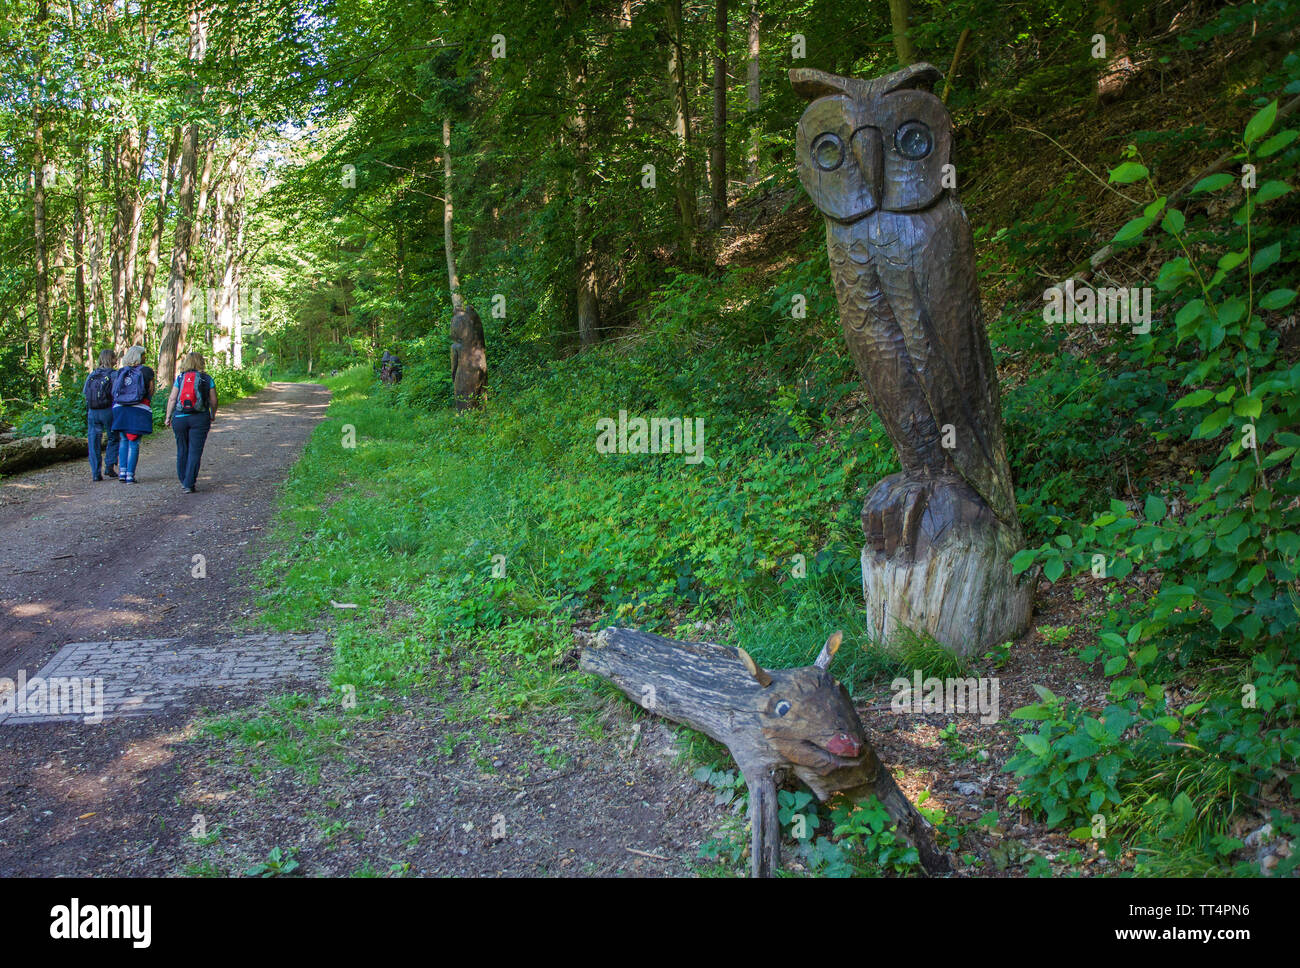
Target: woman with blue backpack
(98, 391)
(191, 409)
(132, 408)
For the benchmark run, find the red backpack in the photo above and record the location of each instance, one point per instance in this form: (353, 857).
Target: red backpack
(190, 401)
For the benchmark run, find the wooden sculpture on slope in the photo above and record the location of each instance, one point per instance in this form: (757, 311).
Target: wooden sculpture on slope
(875, 157)
(468, 346)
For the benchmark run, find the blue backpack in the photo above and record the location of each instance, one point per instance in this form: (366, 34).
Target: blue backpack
(128, 385)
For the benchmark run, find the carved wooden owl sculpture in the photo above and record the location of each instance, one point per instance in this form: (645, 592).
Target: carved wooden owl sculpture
(872, 156)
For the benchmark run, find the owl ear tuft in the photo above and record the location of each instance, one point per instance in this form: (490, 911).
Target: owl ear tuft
(919, 76)
(811, 84)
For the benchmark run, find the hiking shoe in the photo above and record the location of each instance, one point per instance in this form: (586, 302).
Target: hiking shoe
(111, 471)
(188, 490)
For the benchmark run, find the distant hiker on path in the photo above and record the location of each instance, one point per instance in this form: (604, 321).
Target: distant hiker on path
(132, 408)
(191, 410)
(98, 392)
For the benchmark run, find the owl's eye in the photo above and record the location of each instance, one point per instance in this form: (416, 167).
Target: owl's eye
(913, 140)
(828, 151)
(782, 707)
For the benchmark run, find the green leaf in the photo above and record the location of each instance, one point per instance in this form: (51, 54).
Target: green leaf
(1189, 314)
(1115, 664)
(1265, 257)
(1276, 143)
(1155, 507)
(1174, 222)
(1128, 173)
(1054, 568)
(1277, 299)
(1212, 183)
(1022, 560)
(1212, 424)
(1155, 208)
(1133, 229)
(1173, 274)
(1036, 744)
(1222, 616)
(1249, 407)
(1258, 126)
(1231, 310)
(1194, 399)
(1271, 190)
(1230, 260)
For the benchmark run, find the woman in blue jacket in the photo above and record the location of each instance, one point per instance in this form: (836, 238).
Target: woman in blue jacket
(132, 408)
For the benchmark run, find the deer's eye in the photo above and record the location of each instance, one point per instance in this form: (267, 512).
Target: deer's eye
(783, 707)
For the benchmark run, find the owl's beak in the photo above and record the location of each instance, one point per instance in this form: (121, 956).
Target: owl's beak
(868, 151)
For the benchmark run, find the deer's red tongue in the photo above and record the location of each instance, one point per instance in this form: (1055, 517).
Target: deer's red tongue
(844, 745)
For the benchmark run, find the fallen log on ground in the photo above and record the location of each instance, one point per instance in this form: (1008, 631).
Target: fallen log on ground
(26, 453)
(774, 722)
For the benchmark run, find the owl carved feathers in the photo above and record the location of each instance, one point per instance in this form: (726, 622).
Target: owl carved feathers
(872, 155)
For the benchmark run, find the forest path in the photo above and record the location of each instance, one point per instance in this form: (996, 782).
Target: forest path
(85, 561)
(90, 562)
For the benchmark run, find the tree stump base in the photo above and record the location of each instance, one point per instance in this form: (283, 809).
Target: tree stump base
(960, 592)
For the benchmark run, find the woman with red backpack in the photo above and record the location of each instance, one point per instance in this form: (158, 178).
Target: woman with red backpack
(191, 409)
(132, 408)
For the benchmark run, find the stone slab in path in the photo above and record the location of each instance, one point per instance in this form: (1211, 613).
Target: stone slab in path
(144, 677)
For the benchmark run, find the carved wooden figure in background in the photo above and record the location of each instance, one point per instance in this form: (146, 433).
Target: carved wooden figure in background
(875, 157)
(468, 356)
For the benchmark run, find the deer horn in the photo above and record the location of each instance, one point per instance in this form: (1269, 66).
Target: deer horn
(754, 668)
(823, 660)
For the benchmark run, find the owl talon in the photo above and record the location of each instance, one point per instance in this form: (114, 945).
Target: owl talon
(905, 516)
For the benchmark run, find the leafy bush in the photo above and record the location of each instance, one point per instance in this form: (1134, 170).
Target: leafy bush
(1220, 549)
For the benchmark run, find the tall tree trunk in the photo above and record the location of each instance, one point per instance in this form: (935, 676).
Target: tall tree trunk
(752, 89)
(134, 221)
(718, 149)
(43, 321)
(174, 311)
(584, 259)
(125, 237)
(61, 304)
(81, 349)
(683, 169)
(900, 17)
(181, 277)
(625, 23)
(150, 272)
(95, 230)
(453, 280)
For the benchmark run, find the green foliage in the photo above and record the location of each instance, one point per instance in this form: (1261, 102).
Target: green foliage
(864, 842)
(278, 863)
(1221, 547)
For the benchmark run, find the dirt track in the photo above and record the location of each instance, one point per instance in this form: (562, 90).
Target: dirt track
(85, 561)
